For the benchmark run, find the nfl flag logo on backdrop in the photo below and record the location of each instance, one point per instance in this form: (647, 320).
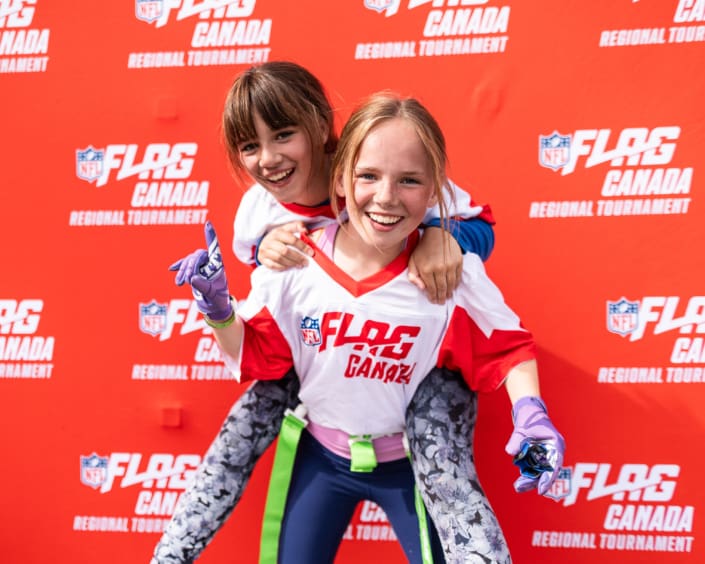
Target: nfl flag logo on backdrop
(89, 164)
(382, 5)
(149, 10)
(622, 317)
(561, 487)
(554, 150)
(153, 318)
(94, 470)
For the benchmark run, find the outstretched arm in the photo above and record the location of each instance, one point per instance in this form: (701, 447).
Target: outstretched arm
(534, 433)
(204, 271)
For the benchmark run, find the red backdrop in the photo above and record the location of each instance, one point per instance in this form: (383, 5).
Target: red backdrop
(581, 123)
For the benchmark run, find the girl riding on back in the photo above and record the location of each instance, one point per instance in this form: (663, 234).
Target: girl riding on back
(370, 336)
(293, 104)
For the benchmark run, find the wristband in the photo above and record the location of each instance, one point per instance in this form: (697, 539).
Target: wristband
(223, 323)
(521, 402)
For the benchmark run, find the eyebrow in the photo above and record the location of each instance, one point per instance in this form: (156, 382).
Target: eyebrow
(375, 169)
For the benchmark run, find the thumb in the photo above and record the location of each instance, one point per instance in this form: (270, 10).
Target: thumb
(514, 444)
(523, 484)
(201, 284)
(546, 481)
(296, 227)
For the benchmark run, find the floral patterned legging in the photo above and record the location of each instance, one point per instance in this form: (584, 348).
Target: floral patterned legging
(440, 423)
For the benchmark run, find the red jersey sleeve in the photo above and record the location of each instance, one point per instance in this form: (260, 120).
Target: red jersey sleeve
(483, 360)
(265, 352)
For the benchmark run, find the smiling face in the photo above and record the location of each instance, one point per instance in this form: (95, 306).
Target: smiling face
(281, 161)
(393, 186)
(279, 102)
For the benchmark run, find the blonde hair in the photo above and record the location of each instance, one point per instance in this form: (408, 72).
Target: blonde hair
(284, 94)
(375, 110)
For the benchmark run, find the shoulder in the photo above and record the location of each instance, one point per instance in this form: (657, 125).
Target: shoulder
(256, 212)
(254, 195)
(267, 285)
(279, 281)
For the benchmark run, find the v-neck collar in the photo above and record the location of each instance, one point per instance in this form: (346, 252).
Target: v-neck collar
(360, 287)
(323, 209)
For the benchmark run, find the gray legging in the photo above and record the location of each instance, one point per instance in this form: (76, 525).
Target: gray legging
(440, 423)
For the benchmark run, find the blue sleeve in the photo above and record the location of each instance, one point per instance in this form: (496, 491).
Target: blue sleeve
(473, 235)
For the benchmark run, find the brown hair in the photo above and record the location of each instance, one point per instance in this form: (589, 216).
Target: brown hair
(285, 94)
(377, 109)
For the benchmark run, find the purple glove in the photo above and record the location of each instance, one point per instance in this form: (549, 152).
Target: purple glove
(532, 424)
(204, 271)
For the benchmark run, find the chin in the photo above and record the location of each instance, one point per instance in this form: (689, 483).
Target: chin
(284, 194)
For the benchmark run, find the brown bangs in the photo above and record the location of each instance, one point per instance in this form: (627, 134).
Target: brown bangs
(265, 99)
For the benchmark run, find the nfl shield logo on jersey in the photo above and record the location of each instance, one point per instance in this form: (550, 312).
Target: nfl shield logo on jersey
(622, 316)
(94, 470)
(89, 164)
(153, 318)
(561, 487)
(149, 10)
(554, 150)
(310, 331)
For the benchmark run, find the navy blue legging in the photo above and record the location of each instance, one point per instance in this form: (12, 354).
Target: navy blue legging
(322, 498)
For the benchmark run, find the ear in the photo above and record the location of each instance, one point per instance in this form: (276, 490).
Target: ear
(339, 188)
(324, 131)
(432, 199)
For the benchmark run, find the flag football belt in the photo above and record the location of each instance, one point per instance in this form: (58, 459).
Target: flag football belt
(363, 459)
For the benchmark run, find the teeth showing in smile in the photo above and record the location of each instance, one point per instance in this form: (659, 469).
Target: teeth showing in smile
(384, 219)
(280, 175)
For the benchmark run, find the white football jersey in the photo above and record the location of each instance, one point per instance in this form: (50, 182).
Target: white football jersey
(360, 348)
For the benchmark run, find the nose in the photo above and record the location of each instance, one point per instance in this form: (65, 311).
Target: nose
(386, 192)
(268, 156)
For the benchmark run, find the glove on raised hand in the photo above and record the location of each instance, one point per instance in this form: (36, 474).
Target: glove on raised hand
(203, 270)
(531, 423)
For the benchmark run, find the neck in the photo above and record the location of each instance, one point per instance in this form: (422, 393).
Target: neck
(318, 186)
(359, 259)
